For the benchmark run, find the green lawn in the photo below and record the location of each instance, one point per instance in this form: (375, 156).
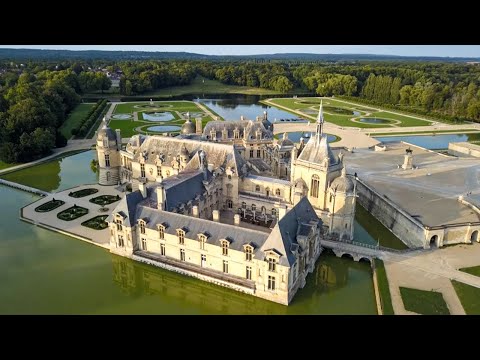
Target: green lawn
(129, 108)
(303, 104)
(466, 131)
(424, 302)
(202, 85)
(383, 288)
(127, 127)
(475, 270)
(469, 297)
(4, 165)
(74, 119)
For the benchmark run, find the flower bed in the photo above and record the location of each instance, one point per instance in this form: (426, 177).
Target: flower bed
(49, 205)
(96, 223)
(72, 213)
(82, 193)
(105, 199)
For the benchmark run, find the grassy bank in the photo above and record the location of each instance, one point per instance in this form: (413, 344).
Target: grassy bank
(383, 288)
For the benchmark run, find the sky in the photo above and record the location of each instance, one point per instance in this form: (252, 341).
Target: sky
(404, 50)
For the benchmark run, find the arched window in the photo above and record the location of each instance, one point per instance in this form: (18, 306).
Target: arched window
(248, 253)
(229, 204)
(225, 247)
(315, 186)
(257, 187)
(107, 160)
(254, 207)
(142, 227)
(274, 212)
(277, 192)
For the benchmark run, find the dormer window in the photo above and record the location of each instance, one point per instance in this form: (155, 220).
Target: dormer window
(181, 236)
(248, 252)
(161, 232)
(225, 246)
(202, 238)
(119, 223)
(257, 188)
(277, 192)
(272, 264)
(213, 134)
(141, 224)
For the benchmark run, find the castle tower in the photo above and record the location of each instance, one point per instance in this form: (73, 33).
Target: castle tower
(108, 147)
(341, 203)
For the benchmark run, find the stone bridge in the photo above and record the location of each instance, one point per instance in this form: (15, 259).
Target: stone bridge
(357, 250)
(24, 187)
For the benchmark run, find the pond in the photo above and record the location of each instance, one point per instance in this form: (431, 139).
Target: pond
(122, 116)
(158, 116)
(296, 135)
(248, 106)
(163, 128)
(374, 121)
(431, 141)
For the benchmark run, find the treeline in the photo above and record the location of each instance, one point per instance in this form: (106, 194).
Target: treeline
(90, 119)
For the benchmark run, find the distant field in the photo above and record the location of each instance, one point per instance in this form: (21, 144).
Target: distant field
(202, 85)
(337, 112)
(74, 119)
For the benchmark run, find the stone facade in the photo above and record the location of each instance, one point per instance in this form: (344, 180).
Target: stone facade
(109, 144)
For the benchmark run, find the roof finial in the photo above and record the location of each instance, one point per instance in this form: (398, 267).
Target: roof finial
(320, 122)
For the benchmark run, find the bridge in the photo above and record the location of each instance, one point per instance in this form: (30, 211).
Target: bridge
(24, 187)
(358, 250)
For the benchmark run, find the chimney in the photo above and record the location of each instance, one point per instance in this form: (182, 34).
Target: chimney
(236, 219)
(119, 139)
(216, 215)
(143, 189)
(161, 198)
(282, 210)
(198, 123)
(195, 212)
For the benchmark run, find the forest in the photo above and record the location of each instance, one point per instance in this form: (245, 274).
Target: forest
(37, 95)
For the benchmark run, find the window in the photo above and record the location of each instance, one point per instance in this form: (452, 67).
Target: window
(119, 224)
(181, 237)
(142, 227)
(120, 241)
(107, 160)
(294, 272)
(225, 266)
(204, 261)
(229, 204)
(272, 264)
(277, 192)
(254, 207)
(162, 249)
(144, 244)
(159, 171)
(251, 153)
(248, 273)
(105, 142)
(244, 205)
(257, 187)
(108, 176)
(315, 186)
(142, 170)
(161, 232)
(271, 282)
(182, 254)
(258, 153)
(274, 212)
(202, 239)
(248, 253)
(224, 247)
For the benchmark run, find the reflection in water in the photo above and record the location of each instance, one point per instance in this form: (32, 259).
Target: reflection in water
(325, 293)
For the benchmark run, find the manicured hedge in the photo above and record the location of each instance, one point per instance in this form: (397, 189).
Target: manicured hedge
(90, 119)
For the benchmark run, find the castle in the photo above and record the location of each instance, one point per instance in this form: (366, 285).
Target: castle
(229, 204)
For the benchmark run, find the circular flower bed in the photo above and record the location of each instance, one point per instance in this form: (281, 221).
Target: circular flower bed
(105, 199)
(49, 205)
(72, 213)
(96, 223)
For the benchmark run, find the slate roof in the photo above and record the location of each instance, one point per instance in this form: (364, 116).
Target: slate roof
(317, 153)
(248, 127)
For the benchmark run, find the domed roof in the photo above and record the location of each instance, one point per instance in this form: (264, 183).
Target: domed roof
(342, 183)
(285, 141)
(188, 127)
(106, 132)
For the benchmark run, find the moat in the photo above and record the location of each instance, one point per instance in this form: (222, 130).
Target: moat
(49, 273)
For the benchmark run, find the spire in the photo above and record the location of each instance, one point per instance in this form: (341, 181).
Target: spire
(320, 122)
